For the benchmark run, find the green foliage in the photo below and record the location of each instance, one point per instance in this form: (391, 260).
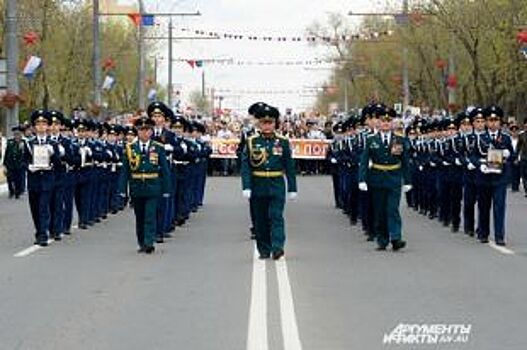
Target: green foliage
(66, 46)
(480, 37)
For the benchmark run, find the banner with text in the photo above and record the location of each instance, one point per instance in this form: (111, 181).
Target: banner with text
(302, 148)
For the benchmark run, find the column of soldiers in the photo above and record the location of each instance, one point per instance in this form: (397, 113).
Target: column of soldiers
(454, 166)
(79, 163)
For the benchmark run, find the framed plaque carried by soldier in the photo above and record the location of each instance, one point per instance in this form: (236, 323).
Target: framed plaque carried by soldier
(41, 158)
(495, 161)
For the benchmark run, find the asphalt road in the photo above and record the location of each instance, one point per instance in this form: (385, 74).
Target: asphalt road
(204, 289)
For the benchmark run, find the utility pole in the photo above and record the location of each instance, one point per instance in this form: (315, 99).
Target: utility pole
(202, 82)
(451, 71)
(141, 53)
(170, 85)
(406, 79)
(11, 62)
(96, 55)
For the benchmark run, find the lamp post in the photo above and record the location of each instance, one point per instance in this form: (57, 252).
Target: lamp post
(11, 41)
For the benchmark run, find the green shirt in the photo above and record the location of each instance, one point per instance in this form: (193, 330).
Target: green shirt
(385, 167)
(263, 159)
(148, 175)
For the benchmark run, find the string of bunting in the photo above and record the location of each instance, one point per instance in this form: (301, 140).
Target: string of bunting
(268, 91)
(272, 38)
(233, 62)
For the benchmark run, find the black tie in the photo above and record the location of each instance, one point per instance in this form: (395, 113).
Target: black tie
(493, 137)
(385, 141)
(144, 149)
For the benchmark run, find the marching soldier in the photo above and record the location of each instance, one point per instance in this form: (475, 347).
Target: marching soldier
(15, 167)
(159, 113)
(471, 133)
(265, 161)
(145, 168)
(246, 134)
(494, 148)
(42, 154)
(388, 154)
(522, 154)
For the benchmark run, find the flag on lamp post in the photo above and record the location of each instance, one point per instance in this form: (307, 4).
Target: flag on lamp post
(31, 67)
(109, 82)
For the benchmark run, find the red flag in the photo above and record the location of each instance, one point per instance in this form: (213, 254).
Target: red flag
(192, 63)
(135, 17)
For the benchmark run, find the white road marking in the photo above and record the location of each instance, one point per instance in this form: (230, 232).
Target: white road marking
(257, 334)
(501, 249)
(287, 308)
(31, 250)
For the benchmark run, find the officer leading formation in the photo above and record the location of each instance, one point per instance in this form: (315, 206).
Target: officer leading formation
(100, 168)
(268, 172)
(447, 169)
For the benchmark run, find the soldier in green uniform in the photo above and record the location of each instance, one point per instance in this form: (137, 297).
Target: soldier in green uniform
(14, 163)
(383, 171)
(145, 168)
(266, 159)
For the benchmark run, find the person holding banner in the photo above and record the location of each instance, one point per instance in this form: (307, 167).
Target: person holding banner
(265, 160)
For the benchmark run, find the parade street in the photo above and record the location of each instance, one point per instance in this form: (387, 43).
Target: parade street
(200, 289)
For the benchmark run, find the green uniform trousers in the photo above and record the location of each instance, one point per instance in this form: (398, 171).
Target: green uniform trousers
(268, 215)
(386, 217)
(145, 209)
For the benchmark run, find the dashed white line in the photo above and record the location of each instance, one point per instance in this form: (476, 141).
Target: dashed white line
(257, 333)
(30, 250)
(501, 249)
(287, 308)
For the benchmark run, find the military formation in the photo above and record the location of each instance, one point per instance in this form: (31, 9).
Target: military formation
(450, 169)
(157, 166)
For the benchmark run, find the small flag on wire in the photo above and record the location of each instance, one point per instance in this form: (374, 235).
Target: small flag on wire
(147, 20)
(31, 67)
(109, 82)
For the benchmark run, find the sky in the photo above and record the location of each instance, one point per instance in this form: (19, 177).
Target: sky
(250, 17)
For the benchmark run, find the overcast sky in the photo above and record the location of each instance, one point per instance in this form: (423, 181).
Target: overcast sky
(258, 17)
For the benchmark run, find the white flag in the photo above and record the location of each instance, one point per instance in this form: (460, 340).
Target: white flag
(32, 66)
(109, 82)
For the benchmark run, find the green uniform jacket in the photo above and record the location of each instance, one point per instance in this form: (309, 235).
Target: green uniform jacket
(397, 153)
(14, 155)
(268, 155)
(140, 171)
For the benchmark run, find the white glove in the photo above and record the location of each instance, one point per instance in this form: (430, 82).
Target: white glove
(370, 165)
(483, 168)
(407, 188)
(433, 165)
(166, 195)
(169, 148)
(446, 163)
(506, 153)
(363, 186)
(421, 168)
(293, 196)
(50, 149)
(246, 194)
(122, 194)
(108, 152)
(87, 150)
(471, 166)
(333, 161)
(62, 151)
(458, 162)
(184, 147)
